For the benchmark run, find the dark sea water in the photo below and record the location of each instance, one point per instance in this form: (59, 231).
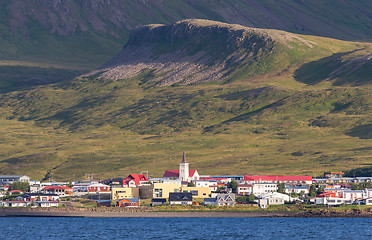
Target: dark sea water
(185, 228)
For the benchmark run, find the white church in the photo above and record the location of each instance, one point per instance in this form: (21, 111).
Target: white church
(184, 174)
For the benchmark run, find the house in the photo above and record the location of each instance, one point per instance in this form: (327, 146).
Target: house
(270, 200)
(146, 191)
(134, 180)
(237, 178)
(15, 204)
(212, 184)
(260, 188)
(366, 201)
(329, 201)
(46, 203)
(367, 193)
(9, 179)
(31, 197)
(197, 192)
(333, 174)
(333, 192)
(62, 191)
(128, 202)
(296, 189)
(180, 198)
(352, 195)
(244, 189)
(103, 203)
(98, 188)
(91, 188)
(210, 201)
(277, 178)
(124, 193)
(275, 195)
(4, 188)
(113, 181)
(162, 190)
(225, 199)
(183, 174)
(158, 201)
(15, 192)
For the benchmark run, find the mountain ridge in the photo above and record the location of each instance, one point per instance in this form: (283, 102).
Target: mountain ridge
(196, 50)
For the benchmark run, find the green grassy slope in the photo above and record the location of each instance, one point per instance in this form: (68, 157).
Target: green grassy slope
(267, 124)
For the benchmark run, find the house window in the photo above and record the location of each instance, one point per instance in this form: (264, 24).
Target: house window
(194, 193)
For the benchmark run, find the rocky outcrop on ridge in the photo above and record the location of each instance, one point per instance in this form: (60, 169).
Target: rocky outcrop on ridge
(197, 50)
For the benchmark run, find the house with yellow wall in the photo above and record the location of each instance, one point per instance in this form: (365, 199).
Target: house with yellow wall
(162, 190)
(197, 192)
(124, 192)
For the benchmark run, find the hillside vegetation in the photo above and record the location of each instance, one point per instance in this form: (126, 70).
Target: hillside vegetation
(81, 35)
(294, 116)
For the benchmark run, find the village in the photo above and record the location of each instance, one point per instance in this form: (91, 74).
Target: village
(187, 187)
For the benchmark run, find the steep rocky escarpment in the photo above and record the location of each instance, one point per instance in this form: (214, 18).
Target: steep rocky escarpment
(197, 50)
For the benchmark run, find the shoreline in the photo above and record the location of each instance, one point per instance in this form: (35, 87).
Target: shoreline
(135, 213)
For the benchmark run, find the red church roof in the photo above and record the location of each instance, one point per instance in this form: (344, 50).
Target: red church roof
(277, 178)
(137, 178)
(176, 173)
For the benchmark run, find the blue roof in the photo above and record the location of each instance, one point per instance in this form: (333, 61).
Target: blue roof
(104, 201)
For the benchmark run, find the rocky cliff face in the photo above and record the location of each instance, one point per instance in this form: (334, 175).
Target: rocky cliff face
(197, 50)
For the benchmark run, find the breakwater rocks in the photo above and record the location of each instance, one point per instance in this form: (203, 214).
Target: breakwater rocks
(333, 213)
(151, 212)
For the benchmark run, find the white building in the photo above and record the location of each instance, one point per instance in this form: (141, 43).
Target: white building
(244, 189)
(274, 195)
(261, 188)
(295, 189)
(212, 184)
(352, 195)
(329, 201)
(272, 200)
(9, 179)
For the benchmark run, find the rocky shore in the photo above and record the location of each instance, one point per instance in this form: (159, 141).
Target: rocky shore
(141, 212)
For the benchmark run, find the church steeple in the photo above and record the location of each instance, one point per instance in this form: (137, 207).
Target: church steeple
(184, 169)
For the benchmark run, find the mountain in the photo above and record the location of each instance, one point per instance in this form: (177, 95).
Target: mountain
(253, 101)
(43, 41)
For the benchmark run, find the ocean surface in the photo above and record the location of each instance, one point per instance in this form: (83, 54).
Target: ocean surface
(184, 228)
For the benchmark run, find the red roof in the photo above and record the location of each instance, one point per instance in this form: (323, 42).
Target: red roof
(176, 173)
(57, 187)
(14, 191)
(137, 178)
(278, 178)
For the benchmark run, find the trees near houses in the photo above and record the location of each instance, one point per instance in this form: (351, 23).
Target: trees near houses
(21, 186)
(233, 185)
(312, 190)
(281, 187)
(246, 199)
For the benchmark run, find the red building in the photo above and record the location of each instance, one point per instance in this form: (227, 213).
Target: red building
(60, 191)
(278, 178)
(134, 180)
(128, 202)
(98, 187)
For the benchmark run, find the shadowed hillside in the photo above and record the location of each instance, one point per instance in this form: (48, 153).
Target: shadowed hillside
(247, 120)
(77, 36)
